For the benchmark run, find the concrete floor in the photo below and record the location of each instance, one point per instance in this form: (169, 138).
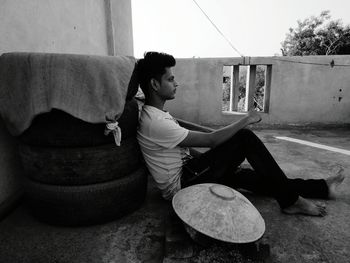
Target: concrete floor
(139, 237)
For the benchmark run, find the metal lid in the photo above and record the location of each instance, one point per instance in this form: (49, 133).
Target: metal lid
(219, 212)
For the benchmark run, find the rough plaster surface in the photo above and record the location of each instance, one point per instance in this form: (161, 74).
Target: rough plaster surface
(65, 26)
(122, 22)
(301, 94)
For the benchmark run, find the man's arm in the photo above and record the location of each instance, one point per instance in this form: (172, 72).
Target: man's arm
(214, 138)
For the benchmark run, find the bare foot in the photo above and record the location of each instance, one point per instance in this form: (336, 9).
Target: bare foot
(334, 181)
(305, 207)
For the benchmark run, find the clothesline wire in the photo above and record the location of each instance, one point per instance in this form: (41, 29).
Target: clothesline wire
(217, 29)
(332, 64)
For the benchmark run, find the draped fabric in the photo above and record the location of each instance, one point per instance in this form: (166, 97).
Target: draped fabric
(91, 88)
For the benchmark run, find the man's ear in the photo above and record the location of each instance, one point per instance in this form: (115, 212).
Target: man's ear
(154, 84)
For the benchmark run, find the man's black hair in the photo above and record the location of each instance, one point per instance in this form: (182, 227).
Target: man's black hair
(153, 65)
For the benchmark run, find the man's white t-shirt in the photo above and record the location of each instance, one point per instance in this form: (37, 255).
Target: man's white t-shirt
(159, 135)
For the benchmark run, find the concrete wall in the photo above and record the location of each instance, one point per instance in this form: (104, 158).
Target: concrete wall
(122, 27)
(303, 92)
(65, 26)
(100, 27)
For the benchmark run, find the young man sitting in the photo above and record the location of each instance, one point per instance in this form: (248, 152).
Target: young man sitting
(164, 144)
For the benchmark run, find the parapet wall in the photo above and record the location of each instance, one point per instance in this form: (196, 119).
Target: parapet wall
(313, 90)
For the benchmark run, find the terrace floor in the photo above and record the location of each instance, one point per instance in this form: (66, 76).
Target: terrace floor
(140, 236)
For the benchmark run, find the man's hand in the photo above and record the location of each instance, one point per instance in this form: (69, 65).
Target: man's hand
(253, 117)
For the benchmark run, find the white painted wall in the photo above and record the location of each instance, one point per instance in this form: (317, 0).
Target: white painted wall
(301, 94)
(122, 27)
(65, 26)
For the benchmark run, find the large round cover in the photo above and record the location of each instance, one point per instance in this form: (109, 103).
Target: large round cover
(219, 212)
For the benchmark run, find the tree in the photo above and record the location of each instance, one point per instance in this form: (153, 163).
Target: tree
(317, 36)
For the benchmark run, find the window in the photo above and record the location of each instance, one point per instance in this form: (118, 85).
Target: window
(246, 87)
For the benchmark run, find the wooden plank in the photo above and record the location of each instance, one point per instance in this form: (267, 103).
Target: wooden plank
(250, 87)
(231, 97)
(234, 88)
(268, 75)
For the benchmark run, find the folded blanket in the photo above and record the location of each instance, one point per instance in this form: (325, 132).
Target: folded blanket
(91, 88)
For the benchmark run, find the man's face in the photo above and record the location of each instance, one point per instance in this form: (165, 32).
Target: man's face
(167, 85)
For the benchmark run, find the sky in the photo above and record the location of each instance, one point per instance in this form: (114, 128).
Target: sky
(254, 27)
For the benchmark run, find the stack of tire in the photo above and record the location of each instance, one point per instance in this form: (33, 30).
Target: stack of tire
(75, 175)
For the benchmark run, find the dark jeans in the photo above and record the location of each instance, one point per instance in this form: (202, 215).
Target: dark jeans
(219, 165)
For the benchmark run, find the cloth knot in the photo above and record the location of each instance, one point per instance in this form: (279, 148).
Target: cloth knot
(115, 129)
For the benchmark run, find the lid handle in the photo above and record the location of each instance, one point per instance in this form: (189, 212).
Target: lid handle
(222, 192)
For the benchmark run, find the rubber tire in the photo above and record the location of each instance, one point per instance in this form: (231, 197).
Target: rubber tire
(89, 204)
(80, 166)
(60, 129)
